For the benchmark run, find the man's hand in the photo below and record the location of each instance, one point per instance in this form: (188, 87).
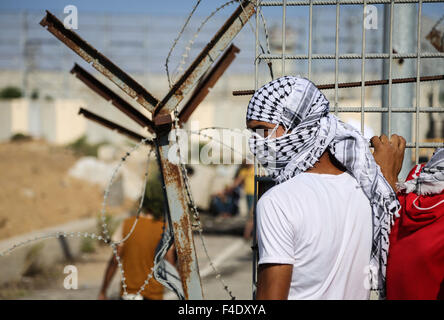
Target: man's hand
(389, 155)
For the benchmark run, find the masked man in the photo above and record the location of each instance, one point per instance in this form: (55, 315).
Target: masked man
(323, 229)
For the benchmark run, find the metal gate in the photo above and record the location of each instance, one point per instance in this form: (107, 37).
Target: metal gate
(401, 66)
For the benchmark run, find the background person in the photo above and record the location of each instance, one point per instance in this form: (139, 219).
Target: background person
(137, 252)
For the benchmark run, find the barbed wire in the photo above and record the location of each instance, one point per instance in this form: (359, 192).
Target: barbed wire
(106, 237)
(197, 225)
(177, 40)
(57, 234)
(197, 222)
(199, 132)
(113, 244)
(256, 6)
(187, 50)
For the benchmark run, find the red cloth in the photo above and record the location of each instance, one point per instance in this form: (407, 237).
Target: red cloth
(415, 266)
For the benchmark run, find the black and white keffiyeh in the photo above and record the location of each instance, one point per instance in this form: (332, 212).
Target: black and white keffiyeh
(163, 271)
(431, 178)
(298, 105)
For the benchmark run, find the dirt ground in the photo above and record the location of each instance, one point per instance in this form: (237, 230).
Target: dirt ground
(230, 254)
(48, 284)
(36, 191)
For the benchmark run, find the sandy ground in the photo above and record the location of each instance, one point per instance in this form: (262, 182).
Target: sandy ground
(36, 191)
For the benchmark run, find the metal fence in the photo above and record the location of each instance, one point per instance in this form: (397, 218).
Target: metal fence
(402, 56)
(400, 18)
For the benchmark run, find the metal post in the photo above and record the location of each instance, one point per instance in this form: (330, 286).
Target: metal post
(284, 16)
(256, 85)
(310, 38)
(363, 68)
(403, 41)
(178, 212)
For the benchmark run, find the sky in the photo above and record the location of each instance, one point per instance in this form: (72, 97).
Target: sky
(155, 7)
(175, 7)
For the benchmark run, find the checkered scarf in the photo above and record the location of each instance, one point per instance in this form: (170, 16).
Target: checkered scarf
(430, 180)
(299, 106)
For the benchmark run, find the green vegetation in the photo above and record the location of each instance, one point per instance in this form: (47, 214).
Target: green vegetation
(154, 200)
(82, 147)
(20, 137)
(10, 92)
(34, 94)
(88, 245)
(32, 264)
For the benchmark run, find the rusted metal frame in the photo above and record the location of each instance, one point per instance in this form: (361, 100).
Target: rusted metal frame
(111, 125)
(207, 56)
(203, 88)
(109, 95)
(171, 173)
(358, 84)
(99, 61)
(178, 208)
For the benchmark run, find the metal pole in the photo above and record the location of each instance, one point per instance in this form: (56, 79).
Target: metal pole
(403, 41)
(180, 219)
(284, 16)
(363, 68)
(256, 86)
(310, 38)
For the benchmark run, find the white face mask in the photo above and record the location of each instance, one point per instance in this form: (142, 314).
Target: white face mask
(274, 153)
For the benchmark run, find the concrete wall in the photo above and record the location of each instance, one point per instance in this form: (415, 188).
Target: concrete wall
(55, 120)
(13, 118)
(60, 122)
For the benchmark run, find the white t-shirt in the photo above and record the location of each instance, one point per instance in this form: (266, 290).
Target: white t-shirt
(322, 225)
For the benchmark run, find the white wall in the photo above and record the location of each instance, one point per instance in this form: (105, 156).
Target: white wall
(13, 118)
(60, 122)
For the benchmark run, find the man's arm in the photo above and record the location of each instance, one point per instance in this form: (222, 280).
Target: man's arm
(109, 273)
(274, 281)
(389, 155)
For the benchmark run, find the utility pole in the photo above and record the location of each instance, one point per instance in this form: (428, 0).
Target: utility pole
(24, 47)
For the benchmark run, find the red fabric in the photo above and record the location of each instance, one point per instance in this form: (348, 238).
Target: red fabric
(415, 266)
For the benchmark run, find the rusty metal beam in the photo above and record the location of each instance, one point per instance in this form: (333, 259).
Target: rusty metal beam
(207, 56)
(203, 88)
(357, 84)
(99, 61)
(174, 188)
(109, 95)
(111, 125)
(181, 221)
